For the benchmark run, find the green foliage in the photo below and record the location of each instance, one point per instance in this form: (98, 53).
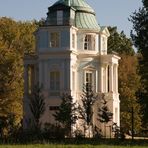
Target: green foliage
(129, 84)
(66, 115)
(103, 112)
(16, 38)
(129, 78)
(140, 39)
(85, 108)
(37, 105)
(118, 42)
(54, 131)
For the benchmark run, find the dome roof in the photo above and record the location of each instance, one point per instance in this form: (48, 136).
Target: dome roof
(80, 5)
(85, 16)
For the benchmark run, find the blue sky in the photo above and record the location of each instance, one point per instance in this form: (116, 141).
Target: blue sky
(108, 12)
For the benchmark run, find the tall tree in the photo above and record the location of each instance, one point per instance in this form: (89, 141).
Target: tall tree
(66, 115)
(37, 106)
(129, 84)
(129, 79)
(85, 108)
(118, 42)
(16, 38)
(104, 113)
(140, 38)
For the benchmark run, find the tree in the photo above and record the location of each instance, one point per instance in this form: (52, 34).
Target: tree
(129, 78)
(103, 112)
(118, 42)
(85, 108)
(140, 38)
(16, 38)
(129, 84)
(66, 115)
(37, 106)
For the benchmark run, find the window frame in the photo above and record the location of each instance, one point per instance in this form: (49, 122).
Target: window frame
(59, 17)
(89, 43)
(92, 77)
(54, 39)
(55, 83)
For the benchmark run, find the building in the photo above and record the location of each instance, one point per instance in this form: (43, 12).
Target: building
(71, 49)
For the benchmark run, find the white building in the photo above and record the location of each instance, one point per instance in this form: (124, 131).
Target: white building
(71, 49)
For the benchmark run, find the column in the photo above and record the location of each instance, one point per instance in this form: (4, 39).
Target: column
(32, 78)
(40, 74)
(106, 78)
(97, 81)
(116, 78)
(101, 79)
(111, 77)
(26, 79)
(25, 98)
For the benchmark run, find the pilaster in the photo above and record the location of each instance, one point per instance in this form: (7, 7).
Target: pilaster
(111, 77)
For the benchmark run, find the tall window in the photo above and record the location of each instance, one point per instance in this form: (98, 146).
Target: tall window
(55, 83)
(73, 40)
(89, 78)
(59, 17)
(54, 39)
(87, 42)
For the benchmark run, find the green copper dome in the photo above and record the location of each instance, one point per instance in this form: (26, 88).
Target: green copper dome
(84, 15)
(80, 5)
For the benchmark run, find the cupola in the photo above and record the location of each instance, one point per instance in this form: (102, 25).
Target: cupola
(74, 13)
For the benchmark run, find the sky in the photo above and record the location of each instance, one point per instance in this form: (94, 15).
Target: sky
(108, 12)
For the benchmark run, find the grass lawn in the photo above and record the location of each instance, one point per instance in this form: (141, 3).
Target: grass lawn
(67, 146)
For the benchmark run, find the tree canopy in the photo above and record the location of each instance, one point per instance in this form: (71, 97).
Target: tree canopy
(140, 38)
(129, 78)
(16, 38)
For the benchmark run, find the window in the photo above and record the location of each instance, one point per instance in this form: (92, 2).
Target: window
(87, 42)
(89, 78)
(55, 83)
(73, 40)
(54, 39)
(104, 43)
(59, 17)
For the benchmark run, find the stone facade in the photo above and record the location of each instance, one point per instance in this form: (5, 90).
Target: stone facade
(71, 49)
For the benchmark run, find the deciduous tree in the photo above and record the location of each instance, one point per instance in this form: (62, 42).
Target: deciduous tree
(129, 78)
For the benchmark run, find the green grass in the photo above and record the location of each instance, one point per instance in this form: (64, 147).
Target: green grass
(67, 146)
